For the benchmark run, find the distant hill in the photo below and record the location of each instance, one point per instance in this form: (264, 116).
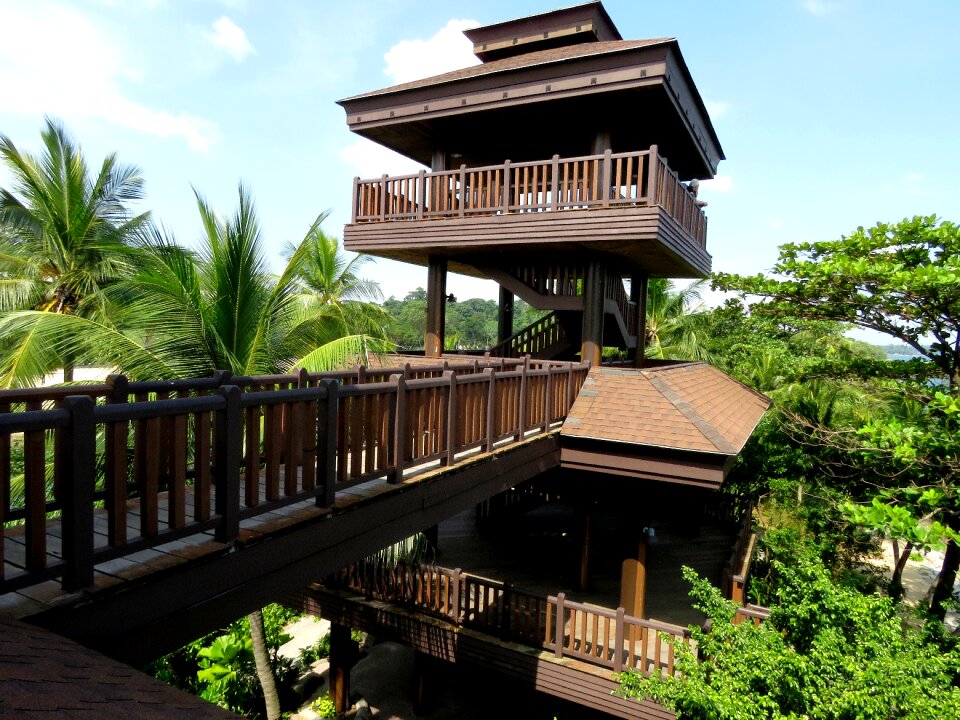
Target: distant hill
(898, 351)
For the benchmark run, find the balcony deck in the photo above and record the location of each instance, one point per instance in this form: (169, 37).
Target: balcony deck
(628, 205)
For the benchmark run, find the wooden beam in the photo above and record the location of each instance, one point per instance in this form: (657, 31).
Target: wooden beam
(591, 347)
(436, 306)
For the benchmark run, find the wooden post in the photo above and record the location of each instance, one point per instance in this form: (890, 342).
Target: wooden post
(585, 547)
(522, 399)
(547, 400)
(421, 193)
(639, 289)
(591, 348)
(383, 197)
(456, 581)
(504, 315)
(491, 418)
(558, 639)
(78, 455)
(555, 183)
(356, 199)
(436, 306)
(505, 202)
(422, 672)
(115, 466)
(451, 377)
(618, 643)
(327, 444)
(633, 584)
(605, 177)
(400, 440)
(341, 660)
(228, 439)
(653, 168)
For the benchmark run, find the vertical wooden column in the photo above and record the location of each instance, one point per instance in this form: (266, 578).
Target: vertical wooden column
(422, 686)
(633, 581)
(432, 534)
(505, 315)
(586, 511)
(591, 347)
(342, 655)
(436, 306)
(639, 286)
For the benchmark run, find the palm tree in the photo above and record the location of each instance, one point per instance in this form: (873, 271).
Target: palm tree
(676, 327)
(188, 313)
(329, 278)
(64, 237)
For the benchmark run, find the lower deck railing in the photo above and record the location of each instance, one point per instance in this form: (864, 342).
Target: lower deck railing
(589, 633)
(80, 466)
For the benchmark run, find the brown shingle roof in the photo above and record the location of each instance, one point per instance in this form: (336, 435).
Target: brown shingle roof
(691, 406)
(540, 57)
(43, 675)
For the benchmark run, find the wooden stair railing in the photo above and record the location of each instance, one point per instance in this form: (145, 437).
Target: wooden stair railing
(536, 339)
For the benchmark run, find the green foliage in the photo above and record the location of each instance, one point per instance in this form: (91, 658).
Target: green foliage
(828, 652)
(220, 667)
(324, 707)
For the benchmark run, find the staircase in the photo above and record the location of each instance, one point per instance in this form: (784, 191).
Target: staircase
(558, 286)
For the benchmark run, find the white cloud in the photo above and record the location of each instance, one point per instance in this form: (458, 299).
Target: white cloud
(230, 37)
(370, 160)
(717, 108)
(720, 184)
(79, 74)
(820, 8)
(447, 50)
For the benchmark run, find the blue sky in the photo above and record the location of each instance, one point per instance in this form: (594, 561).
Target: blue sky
(833, 113)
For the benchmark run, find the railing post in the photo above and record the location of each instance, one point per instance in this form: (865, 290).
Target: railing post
(618, 643)
(455, 602)
(421, 193)
(491, 419)
(115, 465)
(356, 199)
(383, 197)
(605, 177)
(451, 377)
(571, 394)
(228, 439)
(558, 639)
(653, 166)
(548, 399)
(327, 444)
(463, 189)
(522, 400)
(506, 188)
(505, 615)
(399, 428)
(555, 183)
(78, 455)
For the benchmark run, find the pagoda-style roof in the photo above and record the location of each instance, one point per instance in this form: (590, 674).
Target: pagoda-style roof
(548, 100)
(683, 422)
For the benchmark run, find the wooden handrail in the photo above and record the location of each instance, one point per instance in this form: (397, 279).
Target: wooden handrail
(534, 338)
(259, 442)
(555, 185)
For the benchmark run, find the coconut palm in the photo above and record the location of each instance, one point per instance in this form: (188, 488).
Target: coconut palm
(65, 237)
(188, 313)
(676, 327)
(331, 279)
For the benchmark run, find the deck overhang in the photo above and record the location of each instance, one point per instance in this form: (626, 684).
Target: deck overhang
(644, 238)
(641, 92)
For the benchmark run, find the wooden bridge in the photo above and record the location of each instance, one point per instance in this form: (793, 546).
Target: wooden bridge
(138, 515)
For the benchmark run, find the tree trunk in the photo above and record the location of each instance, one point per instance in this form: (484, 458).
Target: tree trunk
(264, 670)
(899, 562)
(943, 589)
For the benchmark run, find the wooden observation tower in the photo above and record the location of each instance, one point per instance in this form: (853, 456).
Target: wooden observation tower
(560, 167)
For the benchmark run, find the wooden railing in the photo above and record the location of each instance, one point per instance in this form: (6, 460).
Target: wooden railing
(532, 339)
(733, 580)
(588, 633)
(592, 181)
(616, 293)
(557, 279)
(174, 459)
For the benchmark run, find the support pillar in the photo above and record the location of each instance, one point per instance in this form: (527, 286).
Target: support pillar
(436, 306)
(591, 348)
(505, 315)
(586, 512)
(343, 653)
(639, 288)
(422, 686)
(432, 534)
(633, 581)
